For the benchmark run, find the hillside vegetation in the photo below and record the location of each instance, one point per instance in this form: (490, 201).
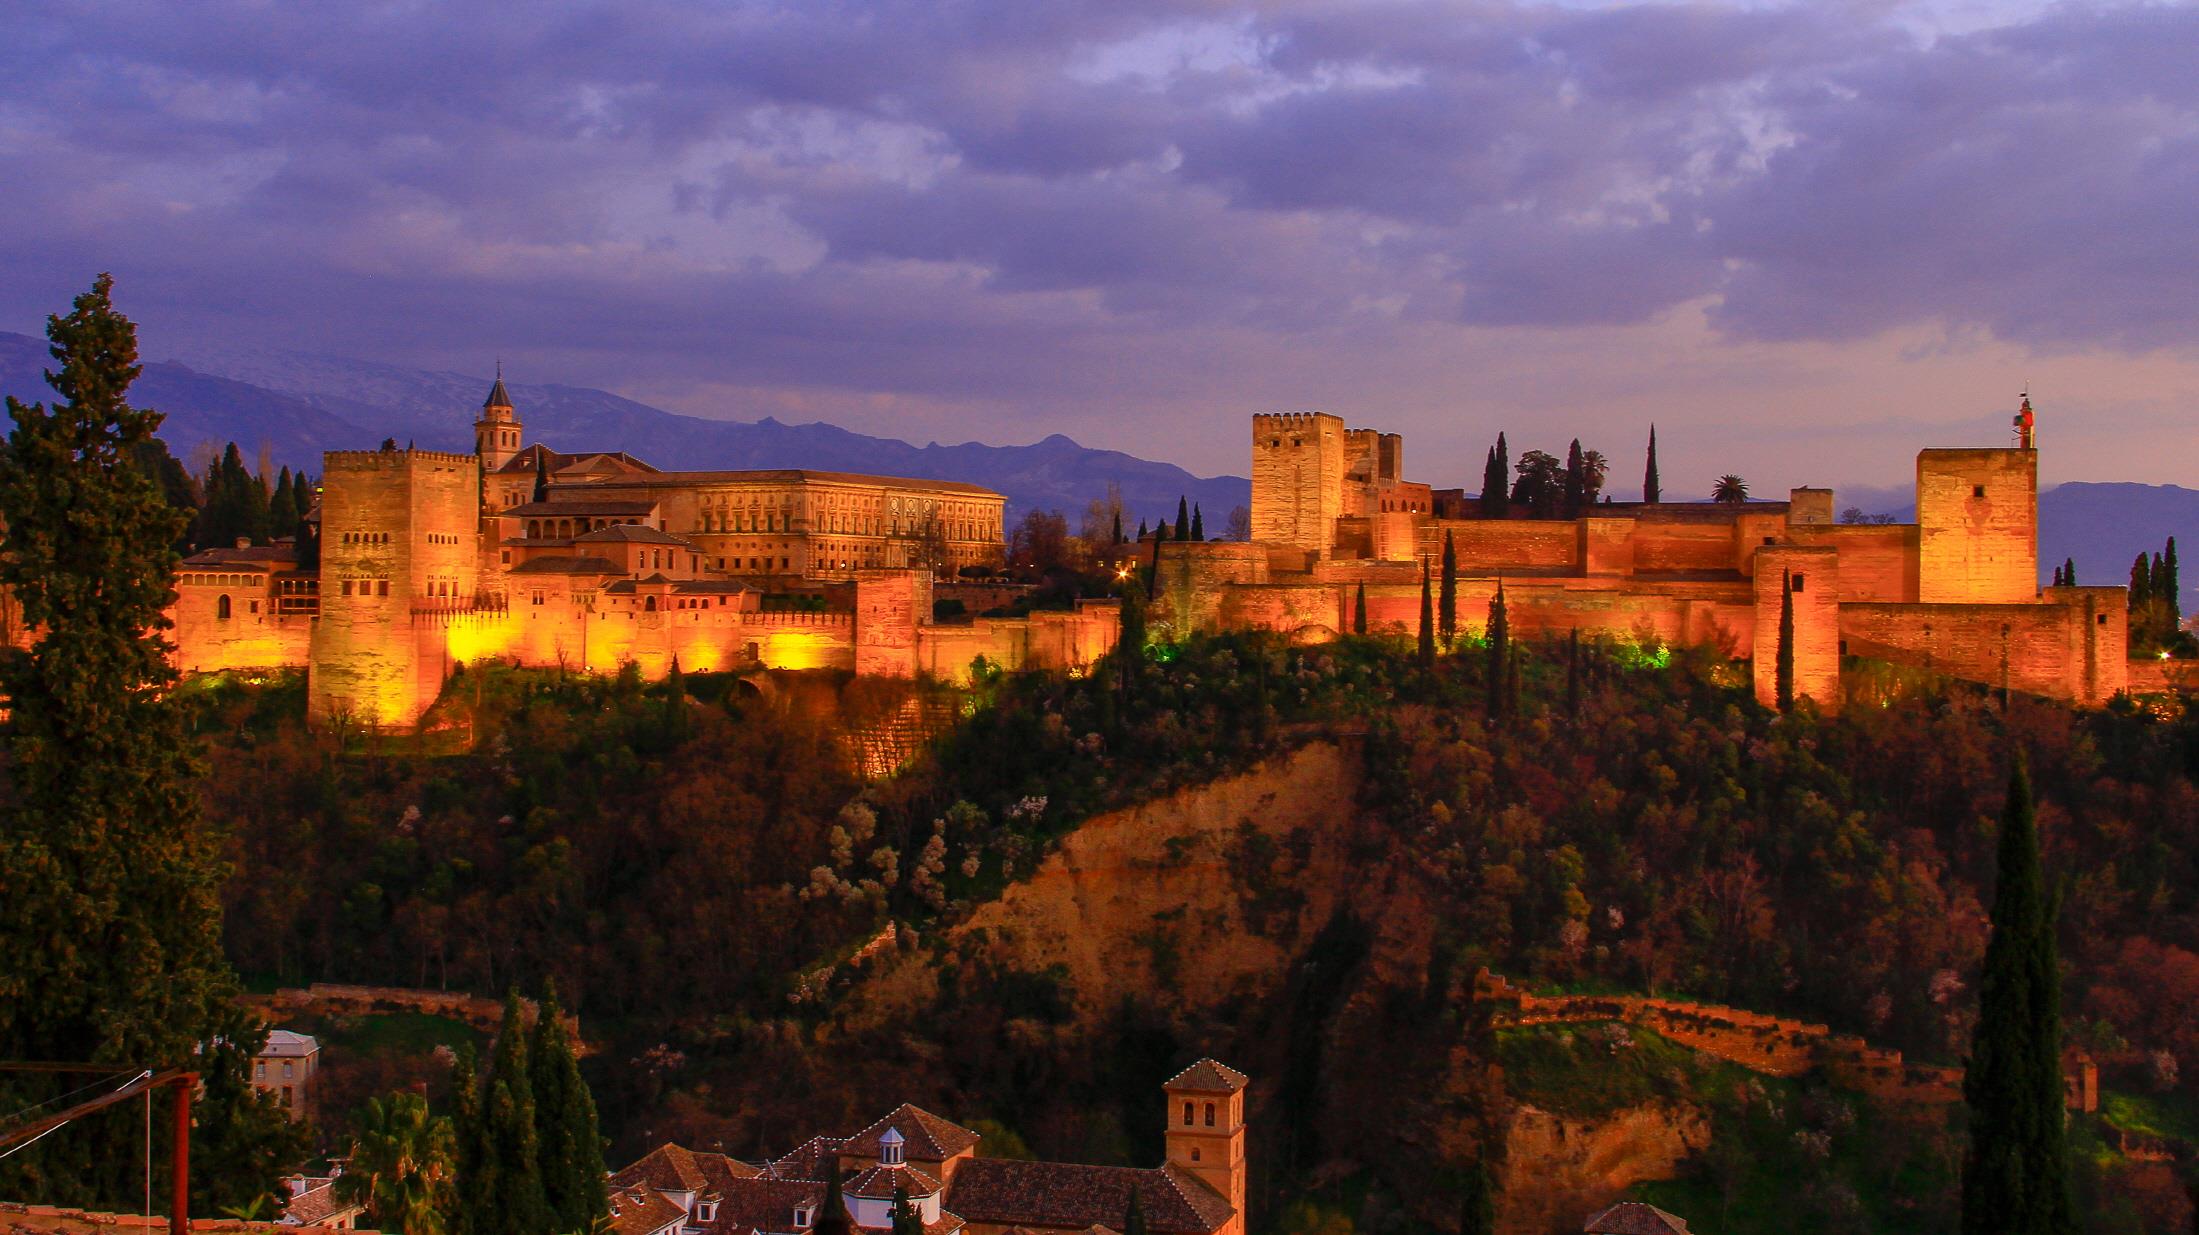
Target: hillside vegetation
(693, 876)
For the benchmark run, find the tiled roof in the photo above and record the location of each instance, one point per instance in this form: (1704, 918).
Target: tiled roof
(568, 564)
(807, 1160)
(1635, 1218)
(642, 1210)
(578, 506)
(497, 396)
(1061, 1194)
(878, 1182)
(710, 587)
(273, 556)
(632, 533)
(929, 1138)
(797, 475)
(1207, 1076)
(669, 1167)
(317, 1204)
(525, 460)
(763, 1205)
(283, 1042)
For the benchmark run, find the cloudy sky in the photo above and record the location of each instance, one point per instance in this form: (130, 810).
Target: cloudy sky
(1805, 239)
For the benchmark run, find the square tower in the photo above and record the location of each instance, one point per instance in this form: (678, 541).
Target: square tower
(1205, 1118)
(1298, 465)
(1977, 516)
(398, 542)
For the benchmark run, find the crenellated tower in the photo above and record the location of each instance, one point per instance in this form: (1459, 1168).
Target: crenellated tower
(1298, 468)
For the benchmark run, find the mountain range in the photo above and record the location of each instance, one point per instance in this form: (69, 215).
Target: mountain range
(295, 406)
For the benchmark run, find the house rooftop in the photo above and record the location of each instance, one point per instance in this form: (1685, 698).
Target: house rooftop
(1635, 1218)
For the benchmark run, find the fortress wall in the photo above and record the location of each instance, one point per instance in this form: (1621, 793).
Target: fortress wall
(1978, 526)
(1069, 641)
(1491, 546)
(889, 606)
(1608, 545)
(2060, 650)
(1812, 572)
(1303, 610)
(1368, 572)
(1877, 561)
(1394, 537)
(2159, 677)
(1673, 545)
(1298, 462)
(1354, 540)
(205, 643)
(1191, 576)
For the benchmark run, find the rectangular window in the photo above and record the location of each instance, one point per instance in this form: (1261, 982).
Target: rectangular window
(1798, 583)
(347, 587)
(385, 587)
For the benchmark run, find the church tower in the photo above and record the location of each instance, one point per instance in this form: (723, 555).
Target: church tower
(496, 433)
(1206, 1130)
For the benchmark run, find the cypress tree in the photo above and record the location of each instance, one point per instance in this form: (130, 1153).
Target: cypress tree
(832, 1216)
(2170, 593)
(1427, 620)
(309, 545)
(282, 508)
(1477, 1211)
(1783, 673)
(1498, 496)
(1651, 491)
(570, 1149)
(1359, 610)
(1496, 688)
(1576, 480)
(2141, 583)
(1447, 619)
(471, 1168)
(2069, 572)
(1492, 483)
(1183, 519)
(1115, 536)
(541, 477)
(2057, 577)
(110, 879)
(513, 1200)
(1141, 529)
(1198, 523)
(1133, 1215)
(2015, 1177)
(903, 1215)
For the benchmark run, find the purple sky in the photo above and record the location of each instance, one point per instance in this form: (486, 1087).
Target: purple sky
(1805, 239)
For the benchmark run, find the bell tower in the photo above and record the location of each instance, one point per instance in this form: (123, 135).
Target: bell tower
(1205, 1118)
(496, 433)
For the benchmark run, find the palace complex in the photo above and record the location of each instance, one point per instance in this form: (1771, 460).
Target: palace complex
(1956, 592)
(1199, 1188)
(592, 561)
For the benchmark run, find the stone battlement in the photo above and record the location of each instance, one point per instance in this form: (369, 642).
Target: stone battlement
(370, 460)
(1291, 420)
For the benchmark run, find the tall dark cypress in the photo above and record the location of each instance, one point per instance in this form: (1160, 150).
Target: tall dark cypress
(1198, 523)
(1496, 482)
(2015, 1178)
(1183, 519)
(1477, 1210)
(541, 477)
(110, 877)
(569, 1149)
(1427, 620)
(832, 1216)
(1497, 686)
(1133, 1215)
(2069, 572)
(282, 508)
(1651, 490)
(2170, 592)
(513, 1200)
(1447, 614)
(1359, 610)
(1115, 536)
(902, 1215)
(473, 1160)
(2141, 583)
(1783, 672)
(1141, 529)
(1576, 480)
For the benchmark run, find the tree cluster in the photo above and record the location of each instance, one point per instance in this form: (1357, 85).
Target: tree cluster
(2156, 606)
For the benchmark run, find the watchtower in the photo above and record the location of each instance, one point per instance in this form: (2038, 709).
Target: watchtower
(1298, 466)
(1977, 515)
(1206, 1129)
(496, 435)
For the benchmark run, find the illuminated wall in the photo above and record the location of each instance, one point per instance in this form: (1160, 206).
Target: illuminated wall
(1977, 514)
(1298, 461)
(1811, 574)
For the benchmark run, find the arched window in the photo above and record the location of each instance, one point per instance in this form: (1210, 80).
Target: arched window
(1209, 1114)
(649, 605)
(1187, 1114)
(221, 608)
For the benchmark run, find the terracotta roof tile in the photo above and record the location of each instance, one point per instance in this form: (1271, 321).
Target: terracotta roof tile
(668, 1167)
(632, 533)
(807, 1160)
(318, 1204)
(1062, 1194)
(929, 1138)
(1207, 1076)
(643, 1210)
(568, 564)
(1635, 1218)
(878, 1182)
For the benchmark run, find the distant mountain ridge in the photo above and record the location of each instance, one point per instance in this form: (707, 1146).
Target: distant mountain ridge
(302, 405)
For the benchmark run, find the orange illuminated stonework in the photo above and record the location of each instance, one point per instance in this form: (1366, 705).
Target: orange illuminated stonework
(524, 555)
(1956, 592)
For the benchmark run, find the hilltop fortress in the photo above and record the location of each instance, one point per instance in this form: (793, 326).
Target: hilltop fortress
(1956, 592)
(593, 561)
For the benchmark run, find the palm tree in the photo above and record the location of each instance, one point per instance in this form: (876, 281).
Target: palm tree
(1731, 489)
(400, 1166)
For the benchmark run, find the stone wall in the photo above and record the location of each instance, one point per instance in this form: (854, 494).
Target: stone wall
(1298, 462)
(1978, 526)
(253, 636)
(1811, 575)
(889, 606)
(2072, 645)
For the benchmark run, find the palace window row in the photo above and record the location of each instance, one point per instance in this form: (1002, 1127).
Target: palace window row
(366, 587)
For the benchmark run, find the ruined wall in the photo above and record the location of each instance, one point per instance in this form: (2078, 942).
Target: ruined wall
(2071, 646)
(1811, 573)
(1298, 463)
(1977, 514)
(1191, 576)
